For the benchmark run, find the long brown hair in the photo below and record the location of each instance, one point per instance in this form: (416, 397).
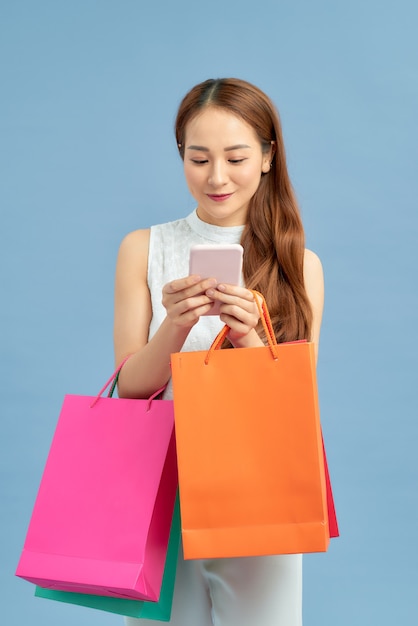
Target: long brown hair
(273, 238)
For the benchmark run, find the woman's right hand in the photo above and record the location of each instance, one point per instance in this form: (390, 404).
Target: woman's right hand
(185, 300)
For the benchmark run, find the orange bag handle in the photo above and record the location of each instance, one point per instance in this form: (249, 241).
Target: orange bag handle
(267, 325)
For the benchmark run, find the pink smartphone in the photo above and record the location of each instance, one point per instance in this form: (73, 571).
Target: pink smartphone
(220, 261)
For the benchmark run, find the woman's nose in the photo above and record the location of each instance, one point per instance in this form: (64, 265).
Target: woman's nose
(217, 175)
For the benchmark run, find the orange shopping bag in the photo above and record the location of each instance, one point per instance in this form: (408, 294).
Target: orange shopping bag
(249, 449)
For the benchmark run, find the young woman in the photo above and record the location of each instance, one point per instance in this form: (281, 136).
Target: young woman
(229, 137)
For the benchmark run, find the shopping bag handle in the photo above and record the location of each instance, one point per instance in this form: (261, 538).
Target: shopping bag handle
(267, 325)
(114, 379)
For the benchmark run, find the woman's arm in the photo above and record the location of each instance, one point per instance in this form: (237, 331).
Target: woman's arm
(148, 367)
(314, 285)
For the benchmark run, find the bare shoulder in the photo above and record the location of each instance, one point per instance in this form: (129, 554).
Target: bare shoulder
(133, 250)
(312, 272)
(312, 262)
(135, 242)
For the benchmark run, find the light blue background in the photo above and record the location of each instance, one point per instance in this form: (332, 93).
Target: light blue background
(89, 91)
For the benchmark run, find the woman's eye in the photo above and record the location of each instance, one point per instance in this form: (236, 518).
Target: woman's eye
(204, 161)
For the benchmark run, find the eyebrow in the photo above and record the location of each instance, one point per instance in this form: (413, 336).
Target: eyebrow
(239, 146)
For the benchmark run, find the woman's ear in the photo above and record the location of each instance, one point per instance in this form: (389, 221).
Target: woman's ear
(268, 158)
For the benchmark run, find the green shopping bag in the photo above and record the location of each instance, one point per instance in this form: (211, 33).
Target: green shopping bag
(160, 610)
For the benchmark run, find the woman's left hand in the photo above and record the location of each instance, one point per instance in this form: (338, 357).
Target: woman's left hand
(239, 311)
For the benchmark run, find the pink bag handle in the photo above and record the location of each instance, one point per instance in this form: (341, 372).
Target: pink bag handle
(114, 379)
(267, 325)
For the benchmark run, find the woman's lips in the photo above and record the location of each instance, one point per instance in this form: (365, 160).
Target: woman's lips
(219, 197)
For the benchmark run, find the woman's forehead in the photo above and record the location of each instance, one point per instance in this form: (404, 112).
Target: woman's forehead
(217, 123)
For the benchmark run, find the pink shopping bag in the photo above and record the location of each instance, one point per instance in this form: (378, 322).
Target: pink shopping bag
(102, 516)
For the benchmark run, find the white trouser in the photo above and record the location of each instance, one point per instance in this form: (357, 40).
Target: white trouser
(253, 591)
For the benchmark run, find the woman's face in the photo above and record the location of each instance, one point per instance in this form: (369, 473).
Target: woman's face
(223, 163)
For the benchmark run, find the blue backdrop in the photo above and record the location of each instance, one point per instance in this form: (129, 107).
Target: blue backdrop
(89, 91)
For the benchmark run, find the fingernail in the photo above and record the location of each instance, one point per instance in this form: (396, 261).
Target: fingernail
(210, 293)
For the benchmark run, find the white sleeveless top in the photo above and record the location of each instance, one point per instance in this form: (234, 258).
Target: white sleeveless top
(168, 259)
